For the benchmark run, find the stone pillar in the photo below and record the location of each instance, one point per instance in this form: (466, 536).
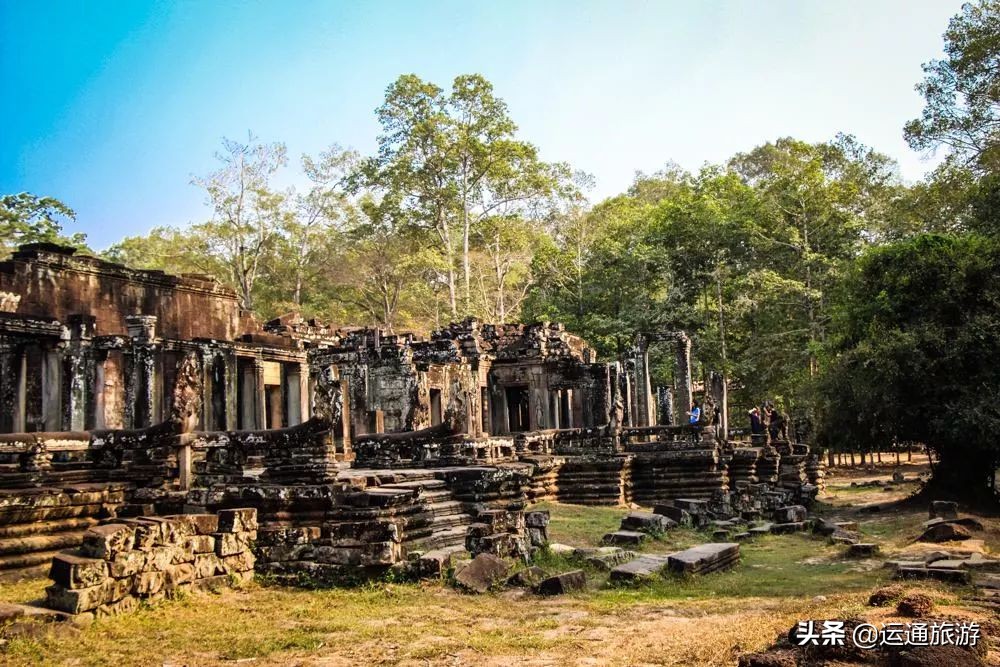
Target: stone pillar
(248, 396)
(260, 403)
(145, 389)
(682, 381)
(52, 389)
(293, 394)
(720, 394)
(665, 399)
(78, 383)
(21, 391)
(304, 399)
(645, 413)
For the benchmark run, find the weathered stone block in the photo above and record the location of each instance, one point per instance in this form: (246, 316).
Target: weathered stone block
(178, 575)
(159, 559)
(625, 538)
(643, 567)
(945, 532)
(71, 570)
(230, 544)
(537, 519)
(107, 541)
(207, 565)
(78, 600)
(681, 516)
(200, 544)
(647, 522)
(197, 524)
(790, 514)
(127, 564)
(567, 582)
(146, 584)
(238, 520)
(242, 562)
(482, 573)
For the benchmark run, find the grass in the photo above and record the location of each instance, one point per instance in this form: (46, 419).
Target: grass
(706, 620)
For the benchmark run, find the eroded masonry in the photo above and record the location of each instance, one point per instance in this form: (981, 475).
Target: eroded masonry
(127, 393)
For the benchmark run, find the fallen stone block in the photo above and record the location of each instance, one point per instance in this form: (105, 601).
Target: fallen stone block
(790, 514)
(526, 578)
(643, 567)
(952, 576)
(482, 573)
(567, 582)
(681, 516)
(743, 537)
(607, 558)
(704, 558)
(945, 532)
(435, 563)
(537, 519)
(647, 522)
(625, 538)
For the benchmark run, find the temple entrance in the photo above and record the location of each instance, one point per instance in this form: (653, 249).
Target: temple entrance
(518, 415)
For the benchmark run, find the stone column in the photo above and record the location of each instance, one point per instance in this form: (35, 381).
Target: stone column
(21, 391)
(248, 396)
(665, 398)
(142, 331)
(52, 389)
(645, 408)
(293, 394)
(682, 381)
(78, 383)
(304, 399)
(720, 394)
(260, 403)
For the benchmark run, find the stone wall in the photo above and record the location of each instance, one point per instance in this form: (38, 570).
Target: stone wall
(146, 559)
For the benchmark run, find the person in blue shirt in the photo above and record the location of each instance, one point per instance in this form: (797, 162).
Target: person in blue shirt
(694, 414)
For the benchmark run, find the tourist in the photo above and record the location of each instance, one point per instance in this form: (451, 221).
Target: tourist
(694, 416)
(756, 425)
(776, 425)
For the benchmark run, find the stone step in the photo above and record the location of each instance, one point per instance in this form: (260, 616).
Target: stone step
(450, 537)
(33, 543)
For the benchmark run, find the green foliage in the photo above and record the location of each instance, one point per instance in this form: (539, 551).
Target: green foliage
(962, 103)
(917, 322)
(28, 218)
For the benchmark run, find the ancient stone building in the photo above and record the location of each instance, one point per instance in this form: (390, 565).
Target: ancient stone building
(89, 344)
(127, 393)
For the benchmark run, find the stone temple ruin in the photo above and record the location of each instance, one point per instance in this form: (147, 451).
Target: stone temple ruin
(128, 393)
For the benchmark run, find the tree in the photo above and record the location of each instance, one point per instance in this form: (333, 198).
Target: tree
(454, 161)
(310, 233)
(28, 218)
(915, 321)
(246, 213)
(962, 91)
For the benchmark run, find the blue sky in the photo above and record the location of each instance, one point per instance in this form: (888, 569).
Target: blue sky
(112, 106)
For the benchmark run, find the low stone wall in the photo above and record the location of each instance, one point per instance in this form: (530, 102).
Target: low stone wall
(150, 558)
(36, 523)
